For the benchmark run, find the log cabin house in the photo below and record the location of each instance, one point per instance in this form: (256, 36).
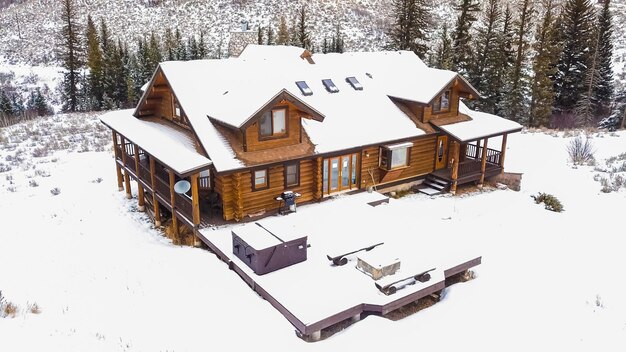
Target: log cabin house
(243, 130)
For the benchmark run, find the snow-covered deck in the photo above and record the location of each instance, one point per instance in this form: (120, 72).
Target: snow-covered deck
(315, 294)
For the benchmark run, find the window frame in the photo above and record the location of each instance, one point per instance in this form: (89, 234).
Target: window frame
(330, 86)
(260, 187)
(385, 158)
(274, 135)
(297, 183)
(437, 105)
(304, 88)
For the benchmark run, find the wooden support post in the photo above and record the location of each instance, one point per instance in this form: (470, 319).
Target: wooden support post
(238, 196)
(155, 201)
(503, 152)
(318, 192)
(118, 169)
(141, 206)
(455, 166)
(173, 204)
(129, 195)
(477, 149)
(195, 202)
(483, 164)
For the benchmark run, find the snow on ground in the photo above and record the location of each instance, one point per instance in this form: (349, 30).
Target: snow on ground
(106, 281)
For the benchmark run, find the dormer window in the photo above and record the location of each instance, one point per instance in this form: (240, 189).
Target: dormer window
(304, 88)
(273, 123)
(442, 103)
(330, 85)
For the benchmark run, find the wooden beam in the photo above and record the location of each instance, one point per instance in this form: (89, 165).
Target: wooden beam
(155, 201)
(195, 202)
(477, 149)
(173, 204)
(238, 196)
(455, 166)
(503, 151)
(318, 179)
(483, 164)
(118, 169)
(160, 89)
(129, 195)
(141, 206)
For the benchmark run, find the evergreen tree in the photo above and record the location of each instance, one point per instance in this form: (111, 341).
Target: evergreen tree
(5, 104)
(192, 48)
(202, 47)
(259, 35)
(546, 49)
(497, 79)
(462, 47)
(517, 101)
(270, 35)
(71, 55)
(283, 32)
(302, 36)
(587, 105)
(604, 87)
(486, 44)
(95, 87)
(169, 45)
(443, 55)
(411, 26)
(37, 103)
(576, 32)
(181, 49)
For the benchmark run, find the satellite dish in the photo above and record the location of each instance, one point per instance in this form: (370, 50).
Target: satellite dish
(182, 187)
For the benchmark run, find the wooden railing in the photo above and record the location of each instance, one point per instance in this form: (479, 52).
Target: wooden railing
(476, 152)
(183, 204)
(144, 173)
(205, 182)
(162, 187)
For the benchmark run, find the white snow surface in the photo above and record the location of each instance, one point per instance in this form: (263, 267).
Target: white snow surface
(170, 146)
(105, 280)
(481, 125)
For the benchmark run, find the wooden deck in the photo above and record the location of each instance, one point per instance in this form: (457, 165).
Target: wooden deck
(469, 171)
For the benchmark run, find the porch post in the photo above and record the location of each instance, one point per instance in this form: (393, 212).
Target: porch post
(503, 152)
(483, 164)
(318, 179)
(140, 196)
(238, 196)
(195, 202)
(173, 204)
(477, 149)
(126, 175)
(118, 169)
(455, 166)
(155, 201)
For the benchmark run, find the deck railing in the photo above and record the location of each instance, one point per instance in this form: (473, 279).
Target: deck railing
(205, 182)
(162, 187)
(475, 152)
(183, 203)
(144, 172)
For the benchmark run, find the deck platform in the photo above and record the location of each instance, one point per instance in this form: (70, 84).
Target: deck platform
(316, 294)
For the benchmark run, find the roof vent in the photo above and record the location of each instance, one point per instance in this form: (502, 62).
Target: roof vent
(330, 86)
(354, 83)
(304, 88)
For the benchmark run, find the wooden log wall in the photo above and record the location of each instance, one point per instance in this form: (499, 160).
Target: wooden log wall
(421, 162)
(239, 200)
(294, 130)
(428, 114)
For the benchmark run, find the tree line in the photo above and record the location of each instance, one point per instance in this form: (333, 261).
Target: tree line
(547, 65)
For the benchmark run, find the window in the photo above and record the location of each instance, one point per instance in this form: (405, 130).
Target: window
(273, 123)
(395, 156)
(259, 180)
(354, 83)
(304, 88)
(330, 86)
(442, 103)
(292, 175)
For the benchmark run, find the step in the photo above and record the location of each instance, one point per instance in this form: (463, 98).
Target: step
(429, 191)
(435, 179)
(434, 185)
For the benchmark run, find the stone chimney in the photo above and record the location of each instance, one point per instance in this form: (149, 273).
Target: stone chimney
(240, 39)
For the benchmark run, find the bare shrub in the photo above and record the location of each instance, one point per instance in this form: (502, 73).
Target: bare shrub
(606, 185)
(12, 189)
(4, 167)
(10, 310)
(33, 183)
(55, 191)
(550, 202)
(98, 180)
(40, 152)
(34, 308)
(581, 152)
(42, 173)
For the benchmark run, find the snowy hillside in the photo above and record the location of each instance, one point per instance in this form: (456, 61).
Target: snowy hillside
(104, 280)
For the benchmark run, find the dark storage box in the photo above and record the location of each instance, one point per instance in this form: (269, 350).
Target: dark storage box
(265, 251)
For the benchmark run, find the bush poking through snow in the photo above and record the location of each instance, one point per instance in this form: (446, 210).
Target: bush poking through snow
(34, 308)
(7, 309)
(33, 183)
(550, 202)
(581, 152)
(55, 191)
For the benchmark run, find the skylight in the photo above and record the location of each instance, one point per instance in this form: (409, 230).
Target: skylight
(354, 83)
(304, 88)
(330, 86)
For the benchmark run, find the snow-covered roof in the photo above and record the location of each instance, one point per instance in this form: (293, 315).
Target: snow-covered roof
(480, 126)
(171, 146)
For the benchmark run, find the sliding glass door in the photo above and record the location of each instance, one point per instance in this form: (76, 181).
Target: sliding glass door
(340, 173)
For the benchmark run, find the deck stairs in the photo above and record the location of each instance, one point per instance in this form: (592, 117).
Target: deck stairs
(434, 185)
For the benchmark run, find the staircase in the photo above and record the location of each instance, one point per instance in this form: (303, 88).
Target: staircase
(434, 185)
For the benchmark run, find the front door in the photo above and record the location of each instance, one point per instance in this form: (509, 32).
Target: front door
(441, 155)
(340, 173)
